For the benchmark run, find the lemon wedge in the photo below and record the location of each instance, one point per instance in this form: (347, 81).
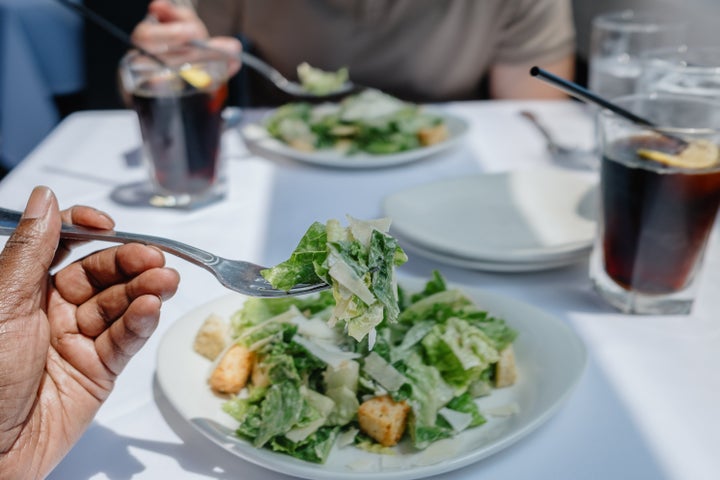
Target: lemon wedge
(195, 76)
(697, 154)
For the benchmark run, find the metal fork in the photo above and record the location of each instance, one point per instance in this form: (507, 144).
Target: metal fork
(277, 78)
(263, 68)
(568, 156)
(237, 275)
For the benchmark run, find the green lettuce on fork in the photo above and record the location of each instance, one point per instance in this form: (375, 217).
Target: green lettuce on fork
(359, 263)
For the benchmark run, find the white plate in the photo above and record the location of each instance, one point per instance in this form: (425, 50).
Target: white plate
(550, 357)
(257, 136)
(528, 215)
(489, 266)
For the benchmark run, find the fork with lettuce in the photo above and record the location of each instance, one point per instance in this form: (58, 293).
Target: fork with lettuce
(359, 263)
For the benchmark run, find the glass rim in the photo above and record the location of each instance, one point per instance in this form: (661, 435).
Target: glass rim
(689, 131)
(207, 56)
(636, 21)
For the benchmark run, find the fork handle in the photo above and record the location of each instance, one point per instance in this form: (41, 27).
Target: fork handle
(9, 220)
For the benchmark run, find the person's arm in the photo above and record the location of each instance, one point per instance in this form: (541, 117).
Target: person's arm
(515, 82)
(532, 32)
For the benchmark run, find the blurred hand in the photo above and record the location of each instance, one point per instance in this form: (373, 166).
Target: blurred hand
(64, 338)
(168, 26)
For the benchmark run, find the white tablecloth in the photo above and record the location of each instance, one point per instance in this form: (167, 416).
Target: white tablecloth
(645, 408)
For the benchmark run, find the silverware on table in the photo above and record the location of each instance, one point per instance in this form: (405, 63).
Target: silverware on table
(237, 275)
(565, 155)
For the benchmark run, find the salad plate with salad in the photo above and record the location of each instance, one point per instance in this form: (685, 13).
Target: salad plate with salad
(366, 129)
(398, 379)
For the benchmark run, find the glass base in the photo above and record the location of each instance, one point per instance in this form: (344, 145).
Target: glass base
(145, 194)
(633, 302)
(636, 303)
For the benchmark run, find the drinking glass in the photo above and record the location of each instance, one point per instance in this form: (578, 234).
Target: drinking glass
(656, 212)
(179, 104)
(616, 42)
(691, 71)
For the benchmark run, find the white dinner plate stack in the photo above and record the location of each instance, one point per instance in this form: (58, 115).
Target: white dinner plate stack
(517, 221)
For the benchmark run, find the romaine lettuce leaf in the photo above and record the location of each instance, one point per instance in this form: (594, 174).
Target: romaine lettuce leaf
(300, 267)
(314, 449)
(460, 351)
(358, 261)
(465, 403)
(280, 410)
(256, 310)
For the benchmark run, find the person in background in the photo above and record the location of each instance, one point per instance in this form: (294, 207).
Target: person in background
(418, 50)
(65, 337)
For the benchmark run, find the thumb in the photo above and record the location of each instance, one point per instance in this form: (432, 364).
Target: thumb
(29, 252)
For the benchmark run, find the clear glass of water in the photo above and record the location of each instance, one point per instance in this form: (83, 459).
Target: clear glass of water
(617, 42)
(689, 71)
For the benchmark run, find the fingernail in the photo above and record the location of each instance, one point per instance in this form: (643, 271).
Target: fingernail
(38, 204)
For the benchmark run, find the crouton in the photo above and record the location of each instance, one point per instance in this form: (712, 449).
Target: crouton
(383, 419)
(505, 370)
(432, 135)
(212, 338)
(233, 370)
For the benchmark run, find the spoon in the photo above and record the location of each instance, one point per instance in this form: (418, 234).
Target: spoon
(278, 79)
(189, 76)
(565, 155)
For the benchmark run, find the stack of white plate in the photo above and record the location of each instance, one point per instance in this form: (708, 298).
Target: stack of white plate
(506, 222)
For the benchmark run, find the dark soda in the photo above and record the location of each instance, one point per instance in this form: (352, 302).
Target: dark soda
(656, 219)
(181, 129)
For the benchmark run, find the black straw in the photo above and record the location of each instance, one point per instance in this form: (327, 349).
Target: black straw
(112, 29)
(585, 95)
(581, 93)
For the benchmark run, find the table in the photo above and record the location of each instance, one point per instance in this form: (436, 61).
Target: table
(645, 408)
(40, 57)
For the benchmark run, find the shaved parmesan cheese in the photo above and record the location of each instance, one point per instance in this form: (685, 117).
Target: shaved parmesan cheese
(330, 354)
(345, 276)
(459, 421)
(362, 229)
(383, 373)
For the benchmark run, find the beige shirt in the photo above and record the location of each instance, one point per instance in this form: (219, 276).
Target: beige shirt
(423, 50)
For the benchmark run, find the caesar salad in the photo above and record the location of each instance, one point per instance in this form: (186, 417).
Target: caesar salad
(366, 364)
(370, 122)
